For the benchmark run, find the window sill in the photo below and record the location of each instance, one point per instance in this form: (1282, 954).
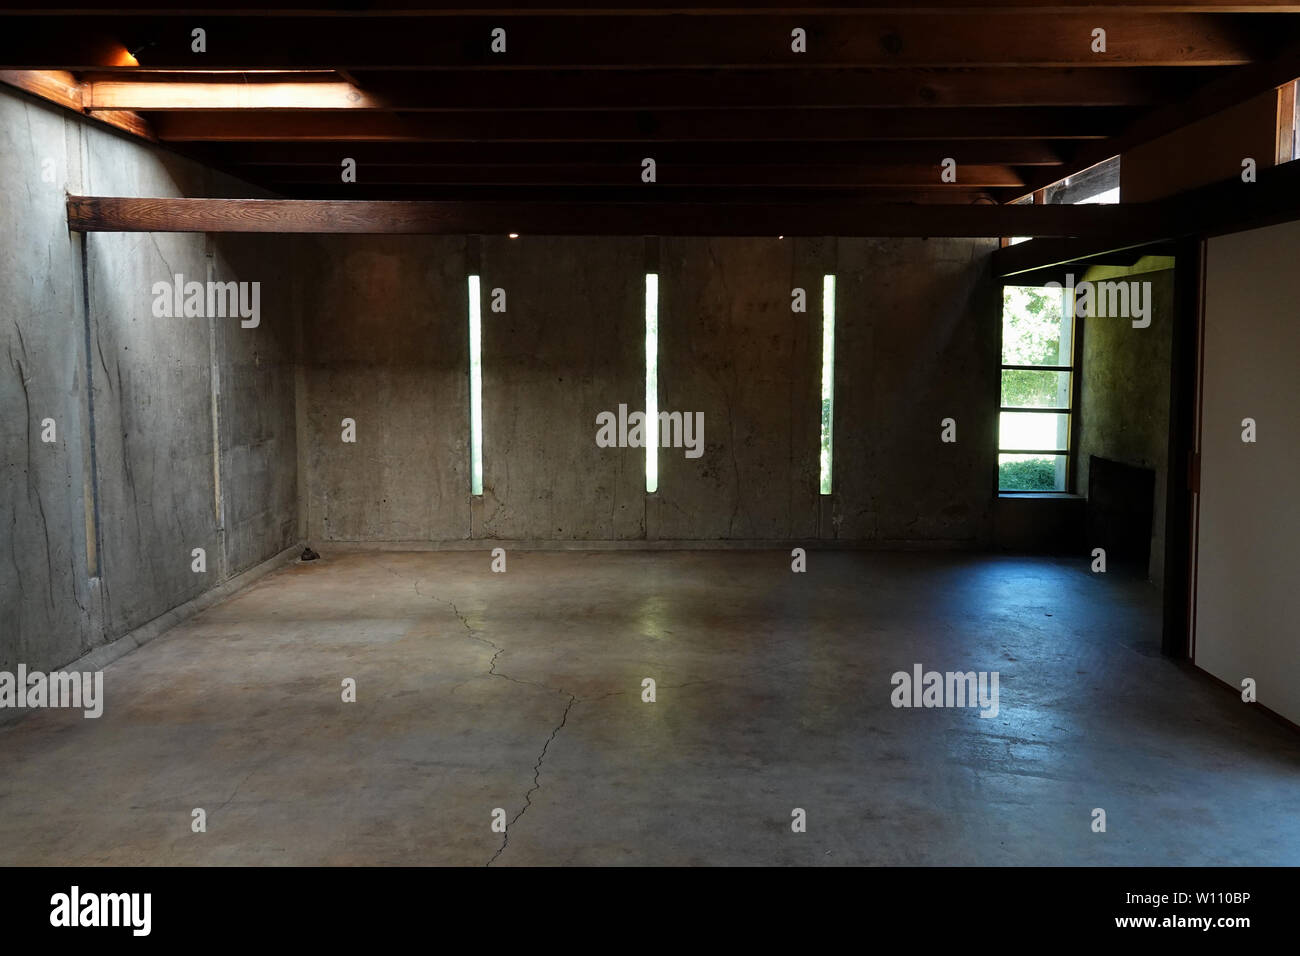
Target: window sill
(1041, 494)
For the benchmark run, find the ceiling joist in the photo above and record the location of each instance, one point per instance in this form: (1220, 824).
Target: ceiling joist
(118, 214)
(432, 8)
(961, 38)
(1210, 210)
(673, 174)
(570, 101)
(643, 90)
(738, 153)
(677, 126)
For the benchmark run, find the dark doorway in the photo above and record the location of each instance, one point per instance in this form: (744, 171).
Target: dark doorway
(1120, 503)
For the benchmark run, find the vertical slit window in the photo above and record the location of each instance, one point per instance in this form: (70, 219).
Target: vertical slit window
(652, 382)
(475, 388)
(828, 380)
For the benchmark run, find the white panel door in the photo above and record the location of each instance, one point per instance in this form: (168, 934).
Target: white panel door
(1248, 545)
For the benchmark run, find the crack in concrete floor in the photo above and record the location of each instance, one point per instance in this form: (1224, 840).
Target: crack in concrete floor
(493, 672)
(705, 778)
(537, 785)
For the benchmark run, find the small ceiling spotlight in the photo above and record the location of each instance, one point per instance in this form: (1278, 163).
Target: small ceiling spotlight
(514, 235)
(133, 51)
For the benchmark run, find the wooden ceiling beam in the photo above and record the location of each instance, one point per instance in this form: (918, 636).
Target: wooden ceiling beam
(609, 174)
(963, 38)
(1211, 210)
(646, 90)
(686, 125)
(424, 8)
(639, 195)
(63, 89)
(1010, 152)
(1025, 260)
(120, 214)
(1233, 88)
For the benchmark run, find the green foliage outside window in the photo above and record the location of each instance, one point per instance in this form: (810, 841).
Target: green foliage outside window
(1031, 335)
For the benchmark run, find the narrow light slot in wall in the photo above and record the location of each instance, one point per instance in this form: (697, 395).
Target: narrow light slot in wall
(828, 379)
(651, 382)
(475, 388)
(90, 480)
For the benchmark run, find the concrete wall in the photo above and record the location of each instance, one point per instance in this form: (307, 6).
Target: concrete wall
(1124, 393)
(570, 344)
(45, 592)
(95, 553)
(259, 441)
(385, 343)
(731, 347)
(918, 339)
(384, 329)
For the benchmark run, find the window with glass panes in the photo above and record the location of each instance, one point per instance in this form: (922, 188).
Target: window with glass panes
(1037, 379)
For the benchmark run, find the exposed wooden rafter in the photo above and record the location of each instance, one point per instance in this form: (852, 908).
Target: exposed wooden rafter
(1035, 123)
(61, 87)
(962, 38)
(118, 214)
(642, 90)
(1210, 210)
(432, 8)
(1016, 92)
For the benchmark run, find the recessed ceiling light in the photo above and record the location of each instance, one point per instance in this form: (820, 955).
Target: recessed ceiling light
(514, 235)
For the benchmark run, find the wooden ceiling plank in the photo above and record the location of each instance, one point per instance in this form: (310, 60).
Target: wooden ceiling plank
(1010, 152)
(680, 126)
(1210, 210)
(965, 38)
(608, 174)
(424, 8)
(62, 88)
(664, 195)
(120, 214)
(1236, 87)
(648, 90)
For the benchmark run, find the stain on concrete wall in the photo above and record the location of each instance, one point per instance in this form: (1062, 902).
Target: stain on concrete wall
(731, 347)
(917, 341)
(45, 593)
(259, 442)
(66, 588)
(153, 427)
(385, 343)
(570, 344)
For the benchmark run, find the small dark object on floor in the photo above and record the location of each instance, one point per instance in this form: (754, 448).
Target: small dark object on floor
(309, 555)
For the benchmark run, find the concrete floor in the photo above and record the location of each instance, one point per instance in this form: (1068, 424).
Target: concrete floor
(523, 691)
